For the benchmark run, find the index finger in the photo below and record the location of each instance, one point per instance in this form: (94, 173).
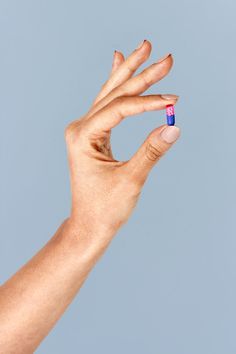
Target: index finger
(112, 114)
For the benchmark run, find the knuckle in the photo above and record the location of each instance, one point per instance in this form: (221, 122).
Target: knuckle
(153, 153)
(130, 69)
(136, 184)
(73, 130)
(116, 106)
(133, 184)
(131, 180)
(118, 100)
(145, 80)
(121, 91)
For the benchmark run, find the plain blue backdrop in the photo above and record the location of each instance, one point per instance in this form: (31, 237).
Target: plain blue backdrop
(167, 283)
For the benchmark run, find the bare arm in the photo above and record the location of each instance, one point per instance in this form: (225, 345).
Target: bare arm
(104, 193)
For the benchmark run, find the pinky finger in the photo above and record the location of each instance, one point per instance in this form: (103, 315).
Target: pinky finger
(118, 59)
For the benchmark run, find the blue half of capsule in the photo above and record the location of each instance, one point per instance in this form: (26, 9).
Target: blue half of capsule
(170, 120)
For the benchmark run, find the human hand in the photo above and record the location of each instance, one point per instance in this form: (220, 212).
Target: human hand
(104, 190)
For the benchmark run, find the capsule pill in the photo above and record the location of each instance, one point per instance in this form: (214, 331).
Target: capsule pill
(170, 114)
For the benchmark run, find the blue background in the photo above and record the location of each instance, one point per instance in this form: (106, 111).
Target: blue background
(167, 283)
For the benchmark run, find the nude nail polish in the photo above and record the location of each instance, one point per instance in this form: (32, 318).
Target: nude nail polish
(170, 97)
(170, 134)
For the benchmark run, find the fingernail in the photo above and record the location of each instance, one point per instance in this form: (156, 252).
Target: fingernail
(163, 58)
(141, 44)
(170, 134)
(170, 97)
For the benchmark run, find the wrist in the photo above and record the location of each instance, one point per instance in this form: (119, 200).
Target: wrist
(91, 227)
(87, 240)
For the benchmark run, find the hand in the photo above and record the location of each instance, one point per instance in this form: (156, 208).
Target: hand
(104, 190)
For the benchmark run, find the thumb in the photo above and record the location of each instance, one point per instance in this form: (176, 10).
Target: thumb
(153, 148)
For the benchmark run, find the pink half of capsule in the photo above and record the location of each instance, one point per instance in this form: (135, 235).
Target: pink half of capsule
(170, 114)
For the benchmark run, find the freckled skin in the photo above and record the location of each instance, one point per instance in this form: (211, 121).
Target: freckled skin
(104, 193)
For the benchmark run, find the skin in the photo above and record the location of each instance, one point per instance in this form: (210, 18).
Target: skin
(104, 193)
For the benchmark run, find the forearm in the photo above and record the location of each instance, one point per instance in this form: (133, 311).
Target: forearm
(37, 295)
